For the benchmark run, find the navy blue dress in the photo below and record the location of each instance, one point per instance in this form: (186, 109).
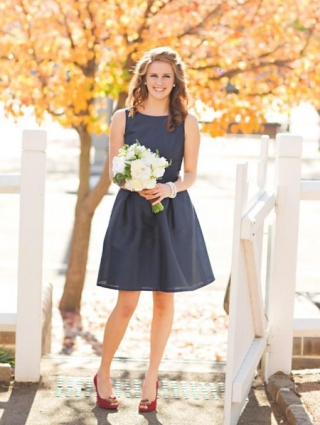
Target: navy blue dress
(144, 251)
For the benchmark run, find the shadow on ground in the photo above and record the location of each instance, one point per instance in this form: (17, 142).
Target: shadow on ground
(16, 402)
(260, 409)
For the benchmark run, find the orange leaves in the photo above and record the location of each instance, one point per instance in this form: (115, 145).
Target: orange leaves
(238, 53)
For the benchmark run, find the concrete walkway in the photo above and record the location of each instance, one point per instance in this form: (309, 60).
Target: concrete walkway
(189, 394)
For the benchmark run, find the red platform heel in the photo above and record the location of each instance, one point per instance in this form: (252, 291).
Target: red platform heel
(148, 406)
(105, 403)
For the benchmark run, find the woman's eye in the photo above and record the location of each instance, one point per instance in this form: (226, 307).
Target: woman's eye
(156, 76)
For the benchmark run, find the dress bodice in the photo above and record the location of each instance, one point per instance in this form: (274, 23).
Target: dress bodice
(151, 131)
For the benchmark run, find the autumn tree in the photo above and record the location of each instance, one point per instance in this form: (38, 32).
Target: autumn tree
(64, 57)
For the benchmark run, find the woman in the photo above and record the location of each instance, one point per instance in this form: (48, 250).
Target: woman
(143, 251)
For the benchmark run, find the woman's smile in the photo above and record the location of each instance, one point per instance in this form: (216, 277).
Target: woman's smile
(160, 77)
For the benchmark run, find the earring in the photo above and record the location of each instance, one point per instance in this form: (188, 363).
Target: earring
(174, 85)
(145, 84)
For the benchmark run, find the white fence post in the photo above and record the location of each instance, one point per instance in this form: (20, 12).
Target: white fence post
(28, 326)
(284, 254)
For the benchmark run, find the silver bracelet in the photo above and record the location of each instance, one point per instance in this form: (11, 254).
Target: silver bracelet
(173, 189)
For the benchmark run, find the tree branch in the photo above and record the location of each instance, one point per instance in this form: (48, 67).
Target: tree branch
(236, 71)
(68, 30)
(310, 33)
(192, 30)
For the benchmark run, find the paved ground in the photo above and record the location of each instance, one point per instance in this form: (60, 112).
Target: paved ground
(213, 199)
(189, 394)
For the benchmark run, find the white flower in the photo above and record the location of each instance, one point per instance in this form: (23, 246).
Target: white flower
(141, 149)
(131, 153)
(134, 184)
(146, 153)
(158, 172)
(140, 170)
(149, 184)
(118, 165)
(158, 167)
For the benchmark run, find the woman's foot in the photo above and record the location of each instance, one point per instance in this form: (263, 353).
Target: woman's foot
(105, 398)
(148, 402)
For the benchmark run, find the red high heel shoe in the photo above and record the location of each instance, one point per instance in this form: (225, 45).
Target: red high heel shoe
(105, 403)
(148, 406)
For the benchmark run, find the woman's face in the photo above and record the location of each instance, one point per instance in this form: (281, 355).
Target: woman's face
(159, 79)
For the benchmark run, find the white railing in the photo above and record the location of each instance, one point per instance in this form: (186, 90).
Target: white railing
(308, 326)
(248, 332)
(263, 327)
(27, 320)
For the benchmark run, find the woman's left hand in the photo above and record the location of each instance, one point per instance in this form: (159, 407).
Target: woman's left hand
(157, 194)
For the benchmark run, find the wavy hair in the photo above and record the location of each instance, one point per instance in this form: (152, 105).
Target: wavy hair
(179, 96)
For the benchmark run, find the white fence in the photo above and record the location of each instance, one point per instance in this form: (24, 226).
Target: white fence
(308, 327)
(27, 320)
(262, 323)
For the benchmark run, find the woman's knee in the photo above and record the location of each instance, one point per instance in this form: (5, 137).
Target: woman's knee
(163, 302)
(127, 303)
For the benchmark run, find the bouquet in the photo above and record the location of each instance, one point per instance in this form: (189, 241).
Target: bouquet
(137, 167)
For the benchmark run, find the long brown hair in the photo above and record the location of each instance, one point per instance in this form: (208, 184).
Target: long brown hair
(138, 91)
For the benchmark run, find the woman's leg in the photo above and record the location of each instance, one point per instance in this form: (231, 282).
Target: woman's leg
(114, 331)
(163, 310)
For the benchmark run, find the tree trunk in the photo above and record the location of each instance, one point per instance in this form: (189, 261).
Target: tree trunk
(122, 99)
(87, 201)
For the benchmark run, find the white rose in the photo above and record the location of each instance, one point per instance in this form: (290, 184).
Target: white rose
(118, 165)
(139, 170)
(145, 153)
(161, 162)
(149, 184)
(158, 172)
(131, 153)
(135, 184)
(141, 149)
(158, 167)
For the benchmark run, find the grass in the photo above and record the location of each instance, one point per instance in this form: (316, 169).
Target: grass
(7, 356)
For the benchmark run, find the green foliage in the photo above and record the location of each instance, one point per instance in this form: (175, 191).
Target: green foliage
(7, 356)
(298, 25)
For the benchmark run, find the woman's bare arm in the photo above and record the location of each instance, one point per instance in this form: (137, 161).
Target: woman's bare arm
(116, 136)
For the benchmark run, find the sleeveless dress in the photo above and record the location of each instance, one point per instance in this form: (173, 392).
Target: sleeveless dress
(146, 251)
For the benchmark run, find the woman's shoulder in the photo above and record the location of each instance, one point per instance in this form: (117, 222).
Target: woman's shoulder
(119, 120)
(119, 114)
(191, 118)
(191, 122)
(119, 117)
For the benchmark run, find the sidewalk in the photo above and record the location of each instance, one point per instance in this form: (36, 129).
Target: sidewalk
(189, 394)
(70, 399)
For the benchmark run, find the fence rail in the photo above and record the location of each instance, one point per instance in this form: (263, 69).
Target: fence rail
(310, 190)
(9, 184)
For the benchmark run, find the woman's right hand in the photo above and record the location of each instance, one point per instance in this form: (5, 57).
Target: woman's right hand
(157, 194)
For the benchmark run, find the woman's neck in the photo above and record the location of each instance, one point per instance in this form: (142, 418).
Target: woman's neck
(153, 107)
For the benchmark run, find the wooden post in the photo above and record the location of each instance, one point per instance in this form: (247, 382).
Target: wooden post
(32, 189)
(284, 254)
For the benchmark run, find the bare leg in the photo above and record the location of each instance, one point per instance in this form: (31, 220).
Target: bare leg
(114, 331)
(163, 310)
